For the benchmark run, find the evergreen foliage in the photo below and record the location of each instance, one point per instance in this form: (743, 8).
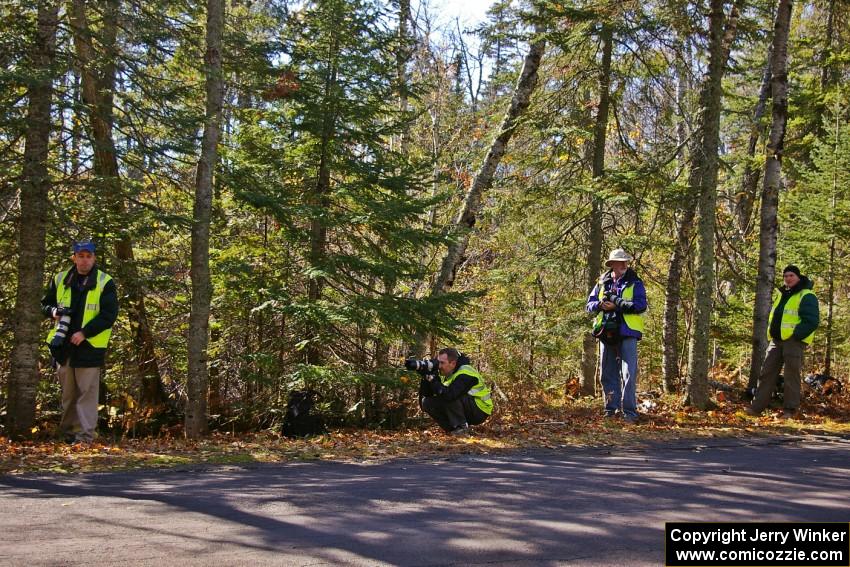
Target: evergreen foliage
(347, 151)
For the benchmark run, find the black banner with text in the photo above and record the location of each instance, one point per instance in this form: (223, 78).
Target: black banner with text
(745, 544)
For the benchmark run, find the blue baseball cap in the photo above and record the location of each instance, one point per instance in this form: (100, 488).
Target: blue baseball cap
(84, 245)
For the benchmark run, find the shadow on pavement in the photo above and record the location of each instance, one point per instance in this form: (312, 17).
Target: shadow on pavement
(541, 508)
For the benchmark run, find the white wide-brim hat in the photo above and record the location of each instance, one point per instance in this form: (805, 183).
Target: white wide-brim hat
(618, 255)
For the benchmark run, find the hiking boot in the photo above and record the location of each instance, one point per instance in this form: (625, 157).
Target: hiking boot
(461, 430)
(609, 414)
(630, 418)
(84, 439)
(789, 414)
(751, 412)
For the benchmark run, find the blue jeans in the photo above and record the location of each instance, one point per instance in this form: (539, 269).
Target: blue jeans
(620, 392)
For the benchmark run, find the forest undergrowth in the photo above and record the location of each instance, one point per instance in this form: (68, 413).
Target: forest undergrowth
(550, 421)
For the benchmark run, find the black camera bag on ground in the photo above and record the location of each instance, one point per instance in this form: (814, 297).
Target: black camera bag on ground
(300, 420)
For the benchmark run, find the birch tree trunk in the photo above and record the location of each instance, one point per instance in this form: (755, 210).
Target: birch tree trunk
(198, 378)
(770, 188)
(484, 178)
(97, 91)
(595, 236)
(462, 227)
(32, 227)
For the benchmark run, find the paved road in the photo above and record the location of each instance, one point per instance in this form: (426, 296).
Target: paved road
(571, 506)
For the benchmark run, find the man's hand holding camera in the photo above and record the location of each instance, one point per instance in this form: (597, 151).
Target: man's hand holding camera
(63, 317)
(609, 302)
(59, 312)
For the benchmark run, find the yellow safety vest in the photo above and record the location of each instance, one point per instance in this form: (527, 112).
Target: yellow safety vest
(790, 316)
(480, 391)
(633, 321)
(92, 308)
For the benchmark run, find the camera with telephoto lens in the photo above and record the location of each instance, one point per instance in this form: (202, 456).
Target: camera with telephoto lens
(426, 367)
(62, 326)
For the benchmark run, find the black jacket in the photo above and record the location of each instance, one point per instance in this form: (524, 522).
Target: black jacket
(809, 312)
(457, 389)
(84, 355)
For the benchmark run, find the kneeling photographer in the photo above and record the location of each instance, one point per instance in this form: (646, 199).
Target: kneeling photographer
(456, 400)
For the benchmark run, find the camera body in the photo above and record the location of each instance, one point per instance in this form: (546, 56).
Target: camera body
(608, 329)
(62, 326)
(429, 368)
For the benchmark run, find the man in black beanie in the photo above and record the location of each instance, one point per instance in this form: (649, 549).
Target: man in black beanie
(791, 328)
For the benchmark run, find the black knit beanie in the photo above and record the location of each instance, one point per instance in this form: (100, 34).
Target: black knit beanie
(793, 269)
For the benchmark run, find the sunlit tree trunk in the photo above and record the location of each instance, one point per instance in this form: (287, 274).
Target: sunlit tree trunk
(484, 178)
(462, 226)
(702, 183)
(198, 377)
(770, 188)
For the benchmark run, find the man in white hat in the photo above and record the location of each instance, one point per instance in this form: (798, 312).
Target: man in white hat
(619, 299)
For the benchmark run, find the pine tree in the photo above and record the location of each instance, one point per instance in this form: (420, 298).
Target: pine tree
(347, 201)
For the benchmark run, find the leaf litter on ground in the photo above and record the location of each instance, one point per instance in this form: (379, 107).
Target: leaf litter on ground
(568, 423)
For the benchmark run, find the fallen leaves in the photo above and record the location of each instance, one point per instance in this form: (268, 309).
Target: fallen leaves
(553, 425)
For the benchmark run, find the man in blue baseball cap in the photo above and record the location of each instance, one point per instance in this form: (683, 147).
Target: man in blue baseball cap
(83, 301)
(82, 245)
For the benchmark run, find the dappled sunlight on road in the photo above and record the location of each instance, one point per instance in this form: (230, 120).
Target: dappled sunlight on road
(540, 507)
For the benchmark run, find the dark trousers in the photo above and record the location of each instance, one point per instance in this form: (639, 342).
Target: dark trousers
(450, 415)
(789, 354)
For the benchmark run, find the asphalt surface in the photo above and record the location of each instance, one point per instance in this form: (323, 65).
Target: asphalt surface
(569, 506)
